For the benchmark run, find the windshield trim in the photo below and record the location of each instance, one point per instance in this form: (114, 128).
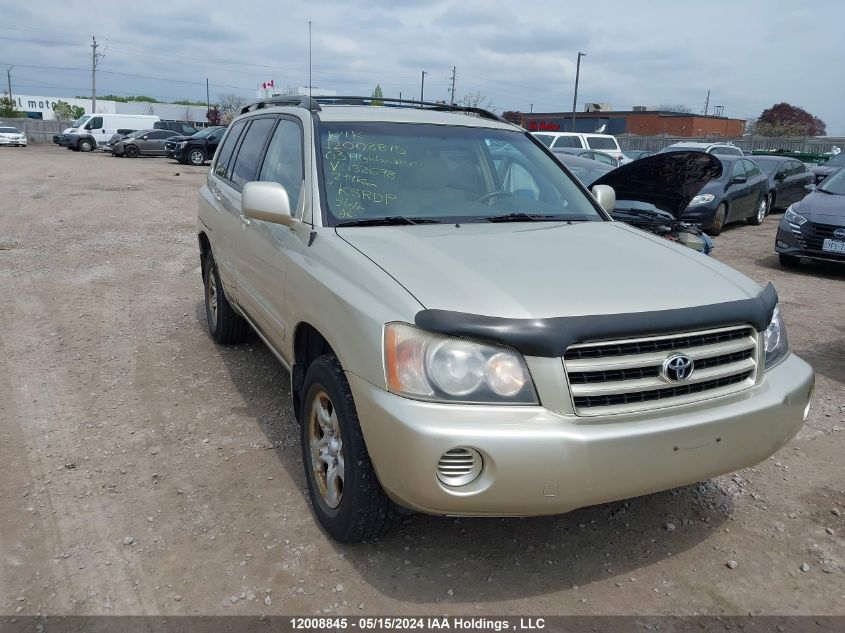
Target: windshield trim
(326, 215)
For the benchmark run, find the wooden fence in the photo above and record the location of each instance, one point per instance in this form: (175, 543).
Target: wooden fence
(37, 131)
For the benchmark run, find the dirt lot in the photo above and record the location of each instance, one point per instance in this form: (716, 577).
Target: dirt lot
(147, 471)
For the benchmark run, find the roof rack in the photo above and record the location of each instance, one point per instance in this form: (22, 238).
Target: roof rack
(313, 104)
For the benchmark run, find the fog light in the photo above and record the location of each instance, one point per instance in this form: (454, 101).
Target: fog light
(459, 466)
(782, 244)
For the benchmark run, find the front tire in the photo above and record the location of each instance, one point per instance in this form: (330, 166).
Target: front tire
(196, 157)
(224, 324)
(345, 493)
(718, 220)
(789, 261)
(761, 213)
(86, 145)
(130, 151)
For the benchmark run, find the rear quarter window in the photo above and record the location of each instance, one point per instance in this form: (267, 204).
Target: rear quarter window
(224, 155)
(602, 142)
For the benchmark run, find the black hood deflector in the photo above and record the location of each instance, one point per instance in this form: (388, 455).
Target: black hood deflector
(669, 181)
(552, 336)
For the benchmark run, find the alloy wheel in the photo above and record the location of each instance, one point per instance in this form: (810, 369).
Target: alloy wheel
(326, 449)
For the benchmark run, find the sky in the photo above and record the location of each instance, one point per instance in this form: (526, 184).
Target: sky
(750, 54)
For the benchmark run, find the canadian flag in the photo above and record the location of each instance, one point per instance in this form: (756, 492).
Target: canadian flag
(268, 84)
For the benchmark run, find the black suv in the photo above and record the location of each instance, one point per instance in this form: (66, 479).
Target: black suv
(195, 149)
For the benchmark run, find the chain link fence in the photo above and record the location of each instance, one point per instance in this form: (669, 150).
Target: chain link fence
(815, 145)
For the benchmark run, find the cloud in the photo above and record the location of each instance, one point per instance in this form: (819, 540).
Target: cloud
(517, 54)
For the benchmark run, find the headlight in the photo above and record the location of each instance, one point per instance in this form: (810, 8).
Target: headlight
(702, 198)
(774, 341)
(794, 218)
(429, 366)
(181, 143)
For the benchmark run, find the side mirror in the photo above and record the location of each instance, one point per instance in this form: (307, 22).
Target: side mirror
(809, 188)
(266, 201)
(739, 179)
(606, 197)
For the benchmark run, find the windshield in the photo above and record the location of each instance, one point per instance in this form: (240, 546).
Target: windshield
(601, 142)
(205, 132)
(9, 130)
(835, 183)
(440, 173)
(81, 120)
(839, 159)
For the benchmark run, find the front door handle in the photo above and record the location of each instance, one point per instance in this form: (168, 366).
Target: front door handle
(246, 221)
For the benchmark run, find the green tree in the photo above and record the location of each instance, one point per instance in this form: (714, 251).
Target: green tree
(77, 112)
(8, 109)
(63, 111)
(378, 96)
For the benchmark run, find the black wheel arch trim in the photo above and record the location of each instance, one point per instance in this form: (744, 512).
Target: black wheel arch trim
(551, 337)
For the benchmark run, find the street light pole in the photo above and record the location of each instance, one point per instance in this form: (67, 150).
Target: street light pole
(577, 76)
(9, 79)
(422, 87)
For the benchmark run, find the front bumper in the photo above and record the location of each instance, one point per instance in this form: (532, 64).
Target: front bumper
(702, 214)
(795, 241)
(539, 462)
(11, 141)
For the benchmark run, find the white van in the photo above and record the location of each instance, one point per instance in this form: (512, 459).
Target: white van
(601, 142)
(92, 130)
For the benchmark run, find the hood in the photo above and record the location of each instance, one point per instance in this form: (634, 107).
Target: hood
(178, 139)
(668, 181)
(825, 170)
(540, 270)
(822, 207)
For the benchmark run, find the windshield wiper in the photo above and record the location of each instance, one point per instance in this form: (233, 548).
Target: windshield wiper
(522, 217)
(392, 220)
(830, 193)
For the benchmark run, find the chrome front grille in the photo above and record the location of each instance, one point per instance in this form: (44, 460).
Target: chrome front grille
(625, 376)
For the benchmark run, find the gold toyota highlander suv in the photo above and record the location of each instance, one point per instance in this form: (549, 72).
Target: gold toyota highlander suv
(467, 331)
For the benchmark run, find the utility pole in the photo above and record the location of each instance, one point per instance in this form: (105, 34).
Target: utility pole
(207, 98)
(707, 103)
(531, 108)
(452, 91)
(577, 76)
(422, 87)
(95, 59)
(9, 79)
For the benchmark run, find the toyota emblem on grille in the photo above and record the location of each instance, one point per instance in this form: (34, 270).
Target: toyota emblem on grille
(840, 233)
(677, 368)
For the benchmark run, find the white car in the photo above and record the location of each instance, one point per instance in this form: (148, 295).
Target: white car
(606, 143)
(12, 136)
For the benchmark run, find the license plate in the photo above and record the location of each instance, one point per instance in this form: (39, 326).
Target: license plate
(834, 246)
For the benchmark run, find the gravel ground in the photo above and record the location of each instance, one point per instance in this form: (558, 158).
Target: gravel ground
(147, 471)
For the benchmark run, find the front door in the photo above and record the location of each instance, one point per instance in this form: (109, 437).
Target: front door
(265, 250)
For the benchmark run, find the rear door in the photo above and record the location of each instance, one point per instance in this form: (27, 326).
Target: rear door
(219, 213)
(154, 145)
(799, 177)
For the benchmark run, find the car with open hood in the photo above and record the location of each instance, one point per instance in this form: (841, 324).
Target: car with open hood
(814, 228)
(467, 340)
(653, 193)
(142, 143)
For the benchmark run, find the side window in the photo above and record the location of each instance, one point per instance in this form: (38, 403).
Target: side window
(738, 170)
(545, 139)
(283, 163)
(221, 167)
(95, 124)
(751, 169)
(216, 134)
(735, 151)
(798, 167)
(160, 134)
(249, 154)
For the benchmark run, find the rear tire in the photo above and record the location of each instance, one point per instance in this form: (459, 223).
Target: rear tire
(224, 324)
(789, 261)
(718, 220)
(761, 212)
(345, 493)
(130, 151)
